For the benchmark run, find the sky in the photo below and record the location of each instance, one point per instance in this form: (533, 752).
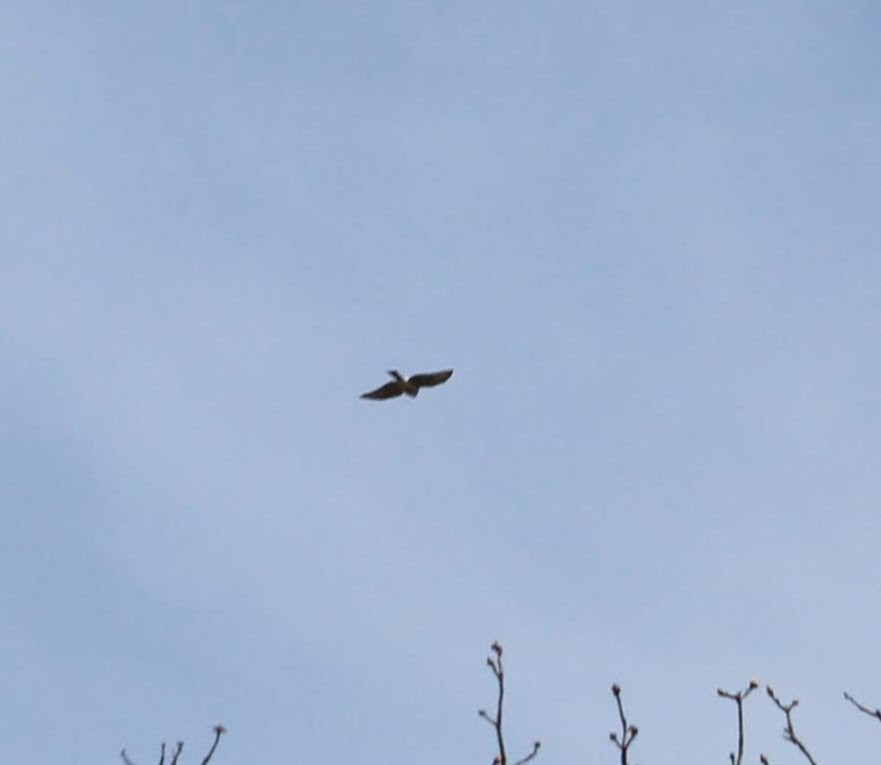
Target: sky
(646, 238)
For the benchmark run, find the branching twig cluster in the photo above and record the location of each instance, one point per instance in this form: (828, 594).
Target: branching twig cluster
(219, 730)
(494, 662)
(789, 731)
(738, 698)
(628, 731)
(622, 741)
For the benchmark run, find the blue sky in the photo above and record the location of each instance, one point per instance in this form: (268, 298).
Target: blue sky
(645, 237)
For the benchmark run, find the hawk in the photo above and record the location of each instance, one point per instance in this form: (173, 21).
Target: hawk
(399, 385)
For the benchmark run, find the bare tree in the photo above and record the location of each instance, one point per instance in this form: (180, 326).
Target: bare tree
(738, 698)
(219, 730)
(494, 662)
(628, 731)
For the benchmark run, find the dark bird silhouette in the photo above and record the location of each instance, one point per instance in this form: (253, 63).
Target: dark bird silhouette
(410, 386)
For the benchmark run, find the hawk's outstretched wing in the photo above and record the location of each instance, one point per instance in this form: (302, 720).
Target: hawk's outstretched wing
(389, 390)
(429, 379)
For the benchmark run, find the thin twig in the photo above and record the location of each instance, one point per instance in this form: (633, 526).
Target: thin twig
(628, 732)
(536, 745)
(178, 749)
(494, 662)
(864, 709)
(738, 699)
(219, 730)
(789, 731)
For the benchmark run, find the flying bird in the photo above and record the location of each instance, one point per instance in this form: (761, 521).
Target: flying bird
(399, 385)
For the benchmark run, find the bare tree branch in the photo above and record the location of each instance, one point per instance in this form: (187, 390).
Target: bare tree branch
(536, 745)
(738, 699)
(864, 709)
(789, 731)
(127, 760)
(494, 662)
(219, 730)
(628, 732)
(178, 749)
